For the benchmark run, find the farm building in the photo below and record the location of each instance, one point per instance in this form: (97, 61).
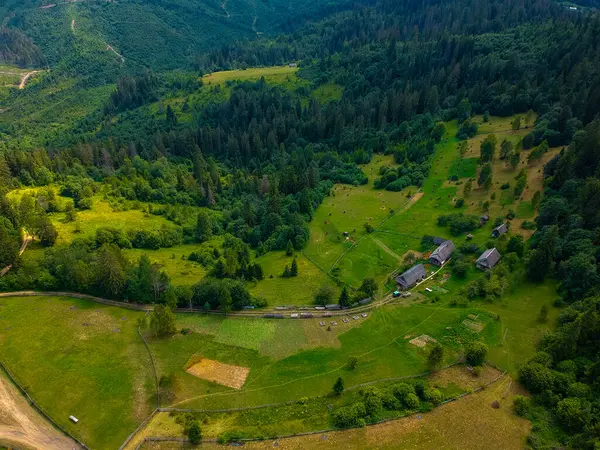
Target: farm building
(441, 254)
(411, 277)
(483, 219)
(499, 230)
(488, 259)
(438, 240)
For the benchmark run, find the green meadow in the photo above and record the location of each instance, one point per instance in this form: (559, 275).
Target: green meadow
(79, 358)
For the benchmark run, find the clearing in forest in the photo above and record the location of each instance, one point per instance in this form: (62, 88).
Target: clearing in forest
(220, 373)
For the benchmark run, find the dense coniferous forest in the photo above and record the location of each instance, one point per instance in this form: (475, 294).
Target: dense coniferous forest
(263, 158)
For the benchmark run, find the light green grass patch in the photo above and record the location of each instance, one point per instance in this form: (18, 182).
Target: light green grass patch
(102, 215)
(79, 358)
(464, 168)
(246, 333)
(328, 92)
(299, 290)
(519, 314)
(281, 75)
(348, 209)
(174, 261)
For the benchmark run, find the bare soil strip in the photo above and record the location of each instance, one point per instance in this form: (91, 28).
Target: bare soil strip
(22, 427)
(224, 374)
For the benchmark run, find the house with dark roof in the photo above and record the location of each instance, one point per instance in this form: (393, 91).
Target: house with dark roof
(499, 230)
(411, 277)
(488, 259)
(442, 254)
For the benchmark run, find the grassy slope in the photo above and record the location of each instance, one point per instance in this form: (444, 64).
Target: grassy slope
(469, 423)
(379, 343)
(79, 358)
(289, 291)
(347, 210)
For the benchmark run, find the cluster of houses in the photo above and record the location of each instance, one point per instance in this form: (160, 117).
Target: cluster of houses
(487, 260)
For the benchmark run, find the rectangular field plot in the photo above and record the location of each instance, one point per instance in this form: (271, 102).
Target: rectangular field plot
(224, 374)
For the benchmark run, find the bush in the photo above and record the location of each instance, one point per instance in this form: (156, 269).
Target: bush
(476, 353)
(194, 433)
(350, 416)
(521, 405)
(420, 389)
(434, 396)
(372, 399)
(411, 401)
(459, 203)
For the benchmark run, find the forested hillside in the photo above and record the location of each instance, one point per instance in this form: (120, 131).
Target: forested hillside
(125, 117)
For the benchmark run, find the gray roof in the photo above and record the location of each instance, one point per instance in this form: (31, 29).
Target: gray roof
(489, 258)
(443, 252)
(500, 229)
(412, 275)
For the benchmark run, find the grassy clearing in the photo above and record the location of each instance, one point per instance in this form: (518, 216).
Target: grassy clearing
(93, 366)
(519, 314)
(347, 210)
(174, 261)
(10, 76)
(281, 75)
(298, 290)
(328, 92)
(102, 215)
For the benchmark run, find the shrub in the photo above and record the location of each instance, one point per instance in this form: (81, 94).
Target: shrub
(194, 433)
(434, 396)
(411, 401)
(350, 416)
(521, 405)
(372, 399)
(476, 353)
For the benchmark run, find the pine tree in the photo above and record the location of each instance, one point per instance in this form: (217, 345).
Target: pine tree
(344, 299)
(294, 268)
(289, 250)
(436, 356)
(338, 387)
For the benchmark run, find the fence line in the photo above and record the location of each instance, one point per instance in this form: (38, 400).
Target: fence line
(153, 365)
(328, 430)
(39, 408)
(137, 430)
(146, 308)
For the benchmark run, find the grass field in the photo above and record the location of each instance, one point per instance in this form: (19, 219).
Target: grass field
(284, 76)
(469, 423)
(289, 291)
(291, 359)
(102, 215)
(347, 210)
(310, 414)
(174, 261)
(79, 358)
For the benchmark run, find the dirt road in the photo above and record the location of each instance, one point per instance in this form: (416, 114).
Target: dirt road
(26, 77)
(26, 240)
(22, 427)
